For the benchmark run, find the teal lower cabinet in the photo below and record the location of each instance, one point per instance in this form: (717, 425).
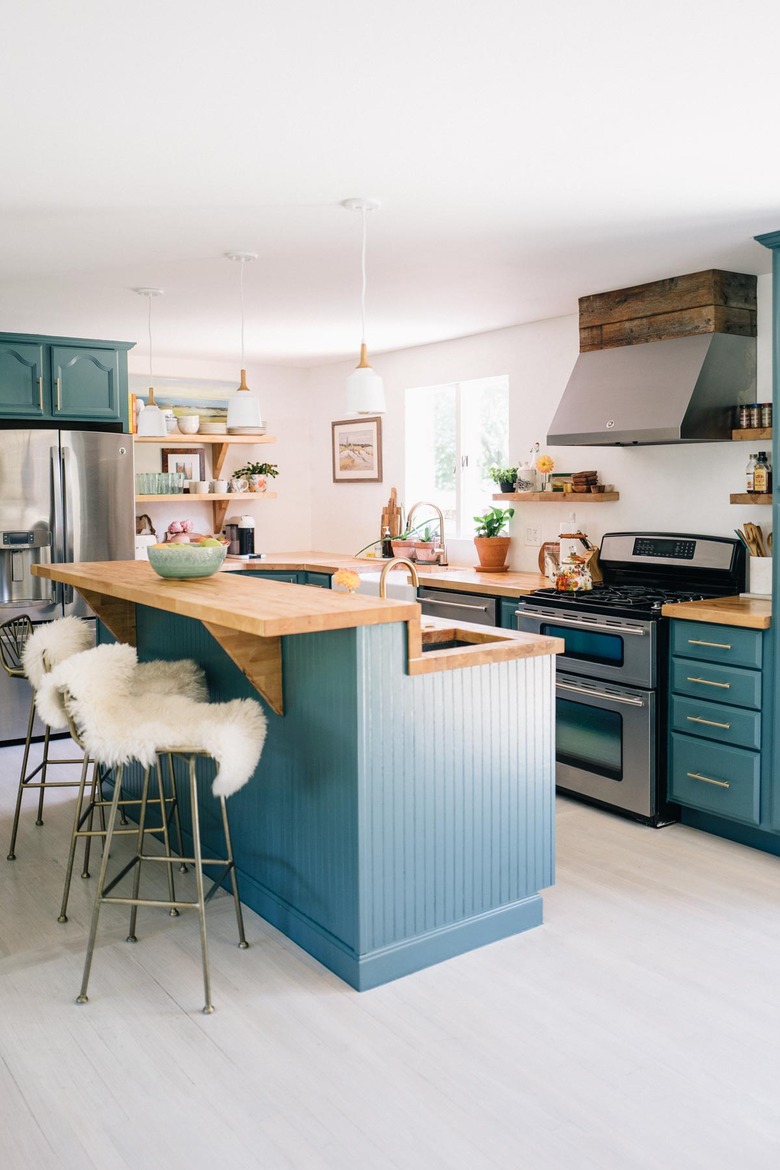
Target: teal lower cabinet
(720, 740)
(291, 576)
(387, 826)
(507, 612)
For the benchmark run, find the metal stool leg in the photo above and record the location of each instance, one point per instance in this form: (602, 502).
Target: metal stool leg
(139, 848)
(82, 996)
(208, 1007)
(243, 944)
(63, 916)
(22, 777)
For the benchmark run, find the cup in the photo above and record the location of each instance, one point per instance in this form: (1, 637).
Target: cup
(189, 424)
(218, 486)
(199, 487)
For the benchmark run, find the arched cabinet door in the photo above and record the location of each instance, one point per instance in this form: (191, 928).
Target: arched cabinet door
(85, 383)
(24, 381)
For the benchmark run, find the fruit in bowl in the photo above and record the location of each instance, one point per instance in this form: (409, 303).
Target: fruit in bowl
(187, 560)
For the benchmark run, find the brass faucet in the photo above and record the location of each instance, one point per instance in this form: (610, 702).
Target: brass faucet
(442, 558)
(394, 563)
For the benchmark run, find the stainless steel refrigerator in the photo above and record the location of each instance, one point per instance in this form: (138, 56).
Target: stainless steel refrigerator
(64, 496)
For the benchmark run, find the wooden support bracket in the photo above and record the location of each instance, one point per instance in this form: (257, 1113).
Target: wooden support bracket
(259, 659)
(115, 613)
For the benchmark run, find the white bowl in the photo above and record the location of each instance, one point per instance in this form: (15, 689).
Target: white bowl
(189, 424)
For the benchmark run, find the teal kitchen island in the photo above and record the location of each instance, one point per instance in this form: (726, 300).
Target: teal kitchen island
(402, 810)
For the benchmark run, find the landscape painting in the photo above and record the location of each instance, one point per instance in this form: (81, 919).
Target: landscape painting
(357, 450)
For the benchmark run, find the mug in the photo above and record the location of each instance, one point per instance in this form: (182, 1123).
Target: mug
(218, 486)
(198, 486)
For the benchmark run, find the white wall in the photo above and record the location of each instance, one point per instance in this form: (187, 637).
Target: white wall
(283, 524)
(669, 488)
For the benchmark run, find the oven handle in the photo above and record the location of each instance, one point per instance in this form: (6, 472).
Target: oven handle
(455, 604)
(629, 702)
(579, 624)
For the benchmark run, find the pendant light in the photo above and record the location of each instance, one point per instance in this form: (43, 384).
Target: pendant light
(365, 389)
(151, 420)
(243, 416)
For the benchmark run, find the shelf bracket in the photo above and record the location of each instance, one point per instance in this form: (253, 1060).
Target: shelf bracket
(258, 659)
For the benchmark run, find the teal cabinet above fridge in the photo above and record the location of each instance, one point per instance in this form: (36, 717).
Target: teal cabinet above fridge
(61, 379)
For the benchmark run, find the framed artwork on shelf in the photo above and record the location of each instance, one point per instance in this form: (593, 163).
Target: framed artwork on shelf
(357, 450)
(190, 460)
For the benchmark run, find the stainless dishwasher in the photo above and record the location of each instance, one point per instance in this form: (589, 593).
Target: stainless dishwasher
(461, 607)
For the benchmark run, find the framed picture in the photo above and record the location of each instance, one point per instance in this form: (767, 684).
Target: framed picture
(357, 450)
(190, 460)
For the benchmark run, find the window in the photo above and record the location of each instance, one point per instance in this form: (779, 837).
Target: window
(454, 434)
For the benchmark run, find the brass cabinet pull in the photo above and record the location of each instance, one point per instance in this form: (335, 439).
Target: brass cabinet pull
(40, 394)
(709, 780)
(709, 722)
(717, 645)
(59, 386)
(709, 683)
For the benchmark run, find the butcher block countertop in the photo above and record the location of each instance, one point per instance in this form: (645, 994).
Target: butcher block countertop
(754, 613)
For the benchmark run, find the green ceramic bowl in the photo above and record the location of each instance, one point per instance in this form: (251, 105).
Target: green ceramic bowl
(186, 560)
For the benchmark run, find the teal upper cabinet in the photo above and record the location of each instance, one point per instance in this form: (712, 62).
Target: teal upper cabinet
(61, 379)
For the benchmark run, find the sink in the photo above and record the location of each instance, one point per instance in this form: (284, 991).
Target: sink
(447, 644)
(396, 585)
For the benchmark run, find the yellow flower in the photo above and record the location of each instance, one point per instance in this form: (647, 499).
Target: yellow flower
(347, 578)
(545, 464)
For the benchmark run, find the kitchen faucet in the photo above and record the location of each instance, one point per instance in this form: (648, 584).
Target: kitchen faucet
(388, 565)
(442, 557)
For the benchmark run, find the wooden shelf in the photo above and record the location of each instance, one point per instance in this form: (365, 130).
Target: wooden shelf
(759, 434)
(220, 500)
(749, 498)
(559, 497)
(179, 440)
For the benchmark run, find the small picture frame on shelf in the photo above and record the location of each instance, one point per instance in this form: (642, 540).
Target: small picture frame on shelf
(189, 460)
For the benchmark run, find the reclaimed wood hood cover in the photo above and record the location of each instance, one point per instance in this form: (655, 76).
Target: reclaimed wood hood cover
(661, 363)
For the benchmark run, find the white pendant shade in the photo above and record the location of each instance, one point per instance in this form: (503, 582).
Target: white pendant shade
(151, 420)
(365, 392)
(243, 407)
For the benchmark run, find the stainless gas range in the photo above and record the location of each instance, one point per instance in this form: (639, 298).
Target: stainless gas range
(611, 681)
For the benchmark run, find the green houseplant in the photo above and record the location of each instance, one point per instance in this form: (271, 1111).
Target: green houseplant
(490, 540)
(505, 477)
(255, 475)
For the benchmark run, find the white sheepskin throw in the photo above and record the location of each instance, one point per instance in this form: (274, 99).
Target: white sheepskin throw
(118, 722)
(52, 643)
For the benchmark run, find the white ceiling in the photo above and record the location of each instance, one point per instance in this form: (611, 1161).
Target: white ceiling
(526, 152)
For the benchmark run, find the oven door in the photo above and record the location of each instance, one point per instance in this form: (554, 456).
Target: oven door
(615, 649)
(605, 743)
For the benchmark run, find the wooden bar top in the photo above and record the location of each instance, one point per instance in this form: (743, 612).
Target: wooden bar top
(753, 613)
(266, 609)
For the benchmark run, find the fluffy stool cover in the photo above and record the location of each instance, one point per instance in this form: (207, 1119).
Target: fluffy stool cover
(52, 643)
(119, 723)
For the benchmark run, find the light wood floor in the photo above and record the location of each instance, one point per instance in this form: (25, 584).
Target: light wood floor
(638, 1029)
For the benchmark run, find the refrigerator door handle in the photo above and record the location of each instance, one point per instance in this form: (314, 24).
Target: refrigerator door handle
(57, 525)
(67, 482)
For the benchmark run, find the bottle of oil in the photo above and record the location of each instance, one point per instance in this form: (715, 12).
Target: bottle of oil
(762, 475)
(750, 474)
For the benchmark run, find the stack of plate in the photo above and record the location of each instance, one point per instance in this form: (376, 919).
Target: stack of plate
(246, 430)
(207, 427)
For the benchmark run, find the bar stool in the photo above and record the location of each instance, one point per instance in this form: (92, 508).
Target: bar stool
(28, 652)
(152, 681)
(118, 727)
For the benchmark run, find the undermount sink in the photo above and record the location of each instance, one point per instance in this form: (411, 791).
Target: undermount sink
(396, 585)
(454, 638)
(448, 644)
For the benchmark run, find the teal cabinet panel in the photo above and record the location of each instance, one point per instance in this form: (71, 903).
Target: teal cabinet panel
(321, 580)
(716, 721)
(724, 684)
(715, 643)
(64, 380)
(507, 613)
(22, 375)
(715, 778)
(86, 383)
(289, 576)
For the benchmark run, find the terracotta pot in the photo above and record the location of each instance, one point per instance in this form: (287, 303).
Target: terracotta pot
(404, 548)
(492, 550)
(425, 552)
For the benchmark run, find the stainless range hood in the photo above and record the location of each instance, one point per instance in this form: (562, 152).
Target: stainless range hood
(678, 391)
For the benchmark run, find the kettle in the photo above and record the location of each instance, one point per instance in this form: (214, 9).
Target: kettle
(575, 552)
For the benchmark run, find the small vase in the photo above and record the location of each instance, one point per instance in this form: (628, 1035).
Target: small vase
(546, 485)
(507, 485)
(257, 483)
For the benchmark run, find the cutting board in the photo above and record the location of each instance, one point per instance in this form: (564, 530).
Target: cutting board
(391, 515)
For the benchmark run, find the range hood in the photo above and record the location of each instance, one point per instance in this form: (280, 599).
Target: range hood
(682, 390)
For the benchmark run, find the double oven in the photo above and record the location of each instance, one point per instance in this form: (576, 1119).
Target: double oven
(611, 680)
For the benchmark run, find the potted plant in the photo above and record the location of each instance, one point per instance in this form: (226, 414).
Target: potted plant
(256, 475)
(425, 550)
(489, 541)
(505, 477)
(404, 544)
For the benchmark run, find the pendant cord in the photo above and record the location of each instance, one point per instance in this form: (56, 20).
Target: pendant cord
(363, 289)
(149, 327)
(242, 313)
